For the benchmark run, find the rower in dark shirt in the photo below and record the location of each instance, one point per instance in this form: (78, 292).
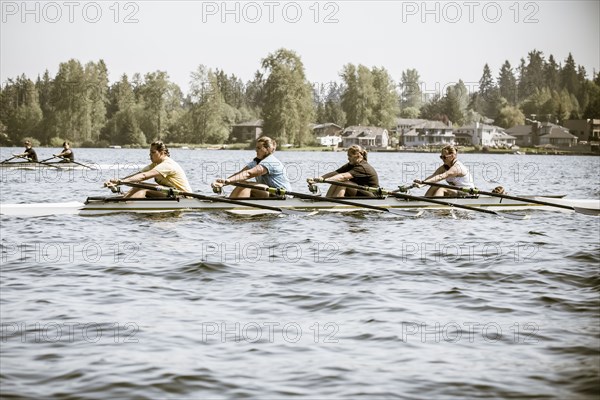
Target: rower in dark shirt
(357, 171)
(29, 152)
(67, 154)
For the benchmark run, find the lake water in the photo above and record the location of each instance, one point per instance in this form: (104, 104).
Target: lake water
(355, 305)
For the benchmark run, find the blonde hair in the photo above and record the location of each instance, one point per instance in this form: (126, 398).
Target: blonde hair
(449, 150)
(356, 149)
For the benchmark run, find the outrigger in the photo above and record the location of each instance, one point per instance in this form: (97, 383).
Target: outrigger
(394, 202)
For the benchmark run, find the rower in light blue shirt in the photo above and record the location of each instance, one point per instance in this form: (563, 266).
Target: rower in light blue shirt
(266, 168)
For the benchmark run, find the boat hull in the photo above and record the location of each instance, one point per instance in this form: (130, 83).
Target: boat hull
(112, 205)
(94, 206)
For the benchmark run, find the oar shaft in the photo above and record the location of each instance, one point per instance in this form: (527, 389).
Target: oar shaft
(177, 192)
(282, 192)
(409, 197)
(75, 162)
(504, 196)
(38, 162)
(8, 159)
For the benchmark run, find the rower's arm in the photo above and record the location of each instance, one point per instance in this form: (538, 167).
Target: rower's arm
(439, 175)
(334, 176)
(246, 174)
(141, 176)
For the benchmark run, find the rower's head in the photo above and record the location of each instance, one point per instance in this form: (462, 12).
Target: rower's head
(27, 143)
(449, 154)
(158, 151)
(356, 154)
(66, 145)
(265, 146)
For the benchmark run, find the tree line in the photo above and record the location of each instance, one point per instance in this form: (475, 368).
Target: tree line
(80, 105)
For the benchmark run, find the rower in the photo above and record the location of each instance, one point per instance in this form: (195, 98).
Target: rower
(67, 154)
(357, 171)
(163, 169)
(29, 152)
(453, 171)
(266, 168)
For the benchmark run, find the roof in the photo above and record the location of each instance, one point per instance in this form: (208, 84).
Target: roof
(326, 125)
(363, 131)
(409, 121)
(557, 132)
(520, 130)
(474, 125)
(433, 125)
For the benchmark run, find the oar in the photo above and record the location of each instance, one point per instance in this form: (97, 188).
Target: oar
(581, 210)
(385, 192)
(48, 159)
(283, 192)
(38, 162)
(7, 160)
(176, 192)
(75, 162)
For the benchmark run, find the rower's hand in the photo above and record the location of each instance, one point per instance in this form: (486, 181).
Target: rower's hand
(417, 183)
(318, 179)
(219, 183)
(112, 183)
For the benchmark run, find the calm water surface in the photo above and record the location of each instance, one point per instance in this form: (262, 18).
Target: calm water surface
(354, 305)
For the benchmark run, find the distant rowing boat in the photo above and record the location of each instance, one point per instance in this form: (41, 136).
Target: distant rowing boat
(37, 165)
(117, 204)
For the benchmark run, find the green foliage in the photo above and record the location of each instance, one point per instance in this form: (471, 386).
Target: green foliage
(288, 107)
(409, 112)
(80, 106)
(410, 89)
(56, 142)
(369, 97)
(509, 116)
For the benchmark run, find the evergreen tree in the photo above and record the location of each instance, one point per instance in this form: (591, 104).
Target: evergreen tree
(551, 74)
(411, 94)
(507, 83)
(568, 76)
(486, 82)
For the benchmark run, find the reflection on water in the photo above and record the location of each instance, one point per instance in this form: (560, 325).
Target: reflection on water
(209, 305)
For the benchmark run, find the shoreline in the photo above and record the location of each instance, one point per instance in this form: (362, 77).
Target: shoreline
(469, 150)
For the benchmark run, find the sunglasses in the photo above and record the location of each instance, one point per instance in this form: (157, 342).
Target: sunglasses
(446, 156)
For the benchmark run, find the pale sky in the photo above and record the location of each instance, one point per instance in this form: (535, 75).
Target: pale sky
(445, 41)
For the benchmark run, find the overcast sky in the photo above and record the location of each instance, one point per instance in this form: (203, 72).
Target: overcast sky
(444, 41)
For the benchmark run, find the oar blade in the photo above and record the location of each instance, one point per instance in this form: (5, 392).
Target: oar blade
(406, 213)
(298, 213)
(587, 211)
(517, 217)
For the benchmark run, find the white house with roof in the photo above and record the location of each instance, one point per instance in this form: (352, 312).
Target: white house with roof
(429, 133)
(368, 137)
(406, 124)
(328, 134)
(483, 135)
